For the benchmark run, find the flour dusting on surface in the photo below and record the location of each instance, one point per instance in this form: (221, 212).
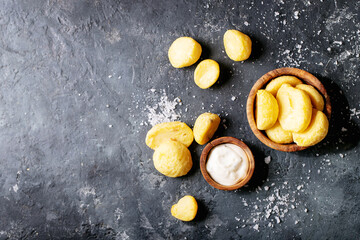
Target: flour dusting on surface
(15, 188)
(163, 110)
(274, 207)
(85, 191)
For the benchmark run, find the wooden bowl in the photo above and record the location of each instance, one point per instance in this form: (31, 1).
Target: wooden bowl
(222, 140)
(261, 83)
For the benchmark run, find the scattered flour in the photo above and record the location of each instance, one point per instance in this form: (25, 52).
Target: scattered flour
(267, 159)
(15, 188)
(339, 16)
(296, 14)
(113, 36)
(122, 236)
(271, 209)
(118, 214)
(354, 112)
(85, 191)
(163, 110)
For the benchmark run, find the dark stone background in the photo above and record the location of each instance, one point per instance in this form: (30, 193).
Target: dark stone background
(74, 111)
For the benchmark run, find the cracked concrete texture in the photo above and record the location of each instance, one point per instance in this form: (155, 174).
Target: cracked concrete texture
(76, 89)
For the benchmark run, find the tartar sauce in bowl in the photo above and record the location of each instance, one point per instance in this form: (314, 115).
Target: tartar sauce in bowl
(227, 164)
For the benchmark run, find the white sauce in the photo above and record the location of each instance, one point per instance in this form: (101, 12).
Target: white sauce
(227, 164)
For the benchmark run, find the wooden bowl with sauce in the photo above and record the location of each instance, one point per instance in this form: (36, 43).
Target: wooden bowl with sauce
(223, 140)
(307, 78)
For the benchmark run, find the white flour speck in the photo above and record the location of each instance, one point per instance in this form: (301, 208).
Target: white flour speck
(267, 159)
(15, 188)
(85, 191)
(296, 14)
(163, 110)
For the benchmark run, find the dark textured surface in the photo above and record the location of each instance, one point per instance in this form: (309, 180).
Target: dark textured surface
(75, 97)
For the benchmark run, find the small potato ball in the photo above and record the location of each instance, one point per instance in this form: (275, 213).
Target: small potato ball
(206, 73)
(205, 127)
(237, 45)
(184, 52)
(185, 209)
(172, 159)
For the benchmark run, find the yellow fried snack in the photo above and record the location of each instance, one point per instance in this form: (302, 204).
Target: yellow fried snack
(294, 108)
(184, 52)
(266, 111)
(206, 73)
(205, 127)
(185, 209)
(279, 135)
(172, 159)
(316, 98)
(276, 83)
(237, 45)
(162, 132)
(315, 132)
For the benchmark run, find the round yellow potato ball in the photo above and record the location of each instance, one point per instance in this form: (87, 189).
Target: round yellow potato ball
(237, 45)
(184, 52)
(205, 127)
(185, 209)
(172, 159)
(206, 73)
